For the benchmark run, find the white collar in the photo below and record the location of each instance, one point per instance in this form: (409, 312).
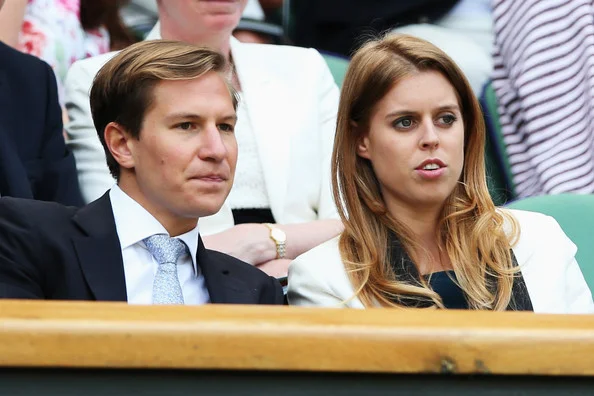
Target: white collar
(134, 223)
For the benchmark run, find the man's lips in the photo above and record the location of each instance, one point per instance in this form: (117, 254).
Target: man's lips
(211, 178)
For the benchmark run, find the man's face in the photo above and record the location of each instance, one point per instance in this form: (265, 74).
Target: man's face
(184, 160)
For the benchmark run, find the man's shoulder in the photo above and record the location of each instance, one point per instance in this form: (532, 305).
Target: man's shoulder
(239, 268)
(267, 289)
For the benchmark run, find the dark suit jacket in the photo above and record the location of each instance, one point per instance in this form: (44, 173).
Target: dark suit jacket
(34, 161)
(49, 251)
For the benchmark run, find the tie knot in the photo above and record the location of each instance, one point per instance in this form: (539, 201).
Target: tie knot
(165, 249)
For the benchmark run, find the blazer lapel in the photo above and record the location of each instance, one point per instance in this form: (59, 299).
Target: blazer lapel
(265, 102)
(99, 251)
(223, 287)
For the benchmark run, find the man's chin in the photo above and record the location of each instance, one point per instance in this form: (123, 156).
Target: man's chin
(205, 209)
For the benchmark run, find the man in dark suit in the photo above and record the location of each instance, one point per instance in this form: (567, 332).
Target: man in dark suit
(34, 161)
(165, 114)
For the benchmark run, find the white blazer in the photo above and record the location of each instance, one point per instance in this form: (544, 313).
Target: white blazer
(293, 101)
(546, 257)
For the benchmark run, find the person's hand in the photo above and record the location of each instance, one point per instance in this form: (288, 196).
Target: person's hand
(248, 242)
(277, 268)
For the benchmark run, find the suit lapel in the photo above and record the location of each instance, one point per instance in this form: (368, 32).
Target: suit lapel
(265, 103)
(223, 287)
(99, 251)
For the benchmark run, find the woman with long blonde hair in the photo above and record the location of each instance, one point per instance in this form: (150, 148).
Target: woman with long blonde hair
(409, 179)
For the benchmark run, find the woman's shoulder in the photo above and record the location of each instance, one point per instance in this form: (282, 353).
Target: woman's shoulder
(327, 252)
(538, 232)
(318, 278)
(530, 221)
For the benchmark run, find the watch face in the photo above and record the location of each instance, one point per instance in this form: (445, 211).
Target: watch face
(278, 235)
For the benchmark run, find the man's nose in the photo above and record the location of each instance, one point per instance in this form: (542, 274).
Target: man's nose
(213, 147)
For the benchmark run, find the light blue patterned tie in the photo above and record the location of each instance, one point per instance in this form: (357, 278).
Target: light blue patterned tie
(166, 250)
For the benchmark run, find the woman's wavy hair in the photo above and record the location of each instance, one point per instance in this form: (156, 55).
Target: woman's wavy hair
(471, 230)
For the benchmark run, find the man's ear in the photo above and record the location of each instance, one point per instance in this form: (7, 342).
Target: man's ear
(119, 142)
(363, 141)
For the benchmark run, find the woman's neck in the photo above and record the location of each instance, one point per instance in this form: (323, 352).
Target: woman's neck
(424, 225)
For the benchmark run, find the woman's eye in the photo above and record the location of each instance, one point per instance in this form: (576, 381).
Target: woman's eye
(226, 127)
(403, 123)
(448, 119)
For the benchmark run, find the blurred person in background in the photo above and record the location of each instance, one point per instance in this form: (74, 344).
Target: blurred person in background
(34, 160)
(544, 79)
(63, 31)
(409, 180)
(461, 28)
(280, 205)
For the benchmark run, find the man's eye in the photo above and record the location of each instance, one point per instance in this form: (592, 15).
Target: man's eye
(185, 126)
(226, 127)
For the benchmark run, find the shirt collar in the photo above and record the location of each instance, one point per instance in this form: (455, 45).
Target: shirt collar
(134, 223)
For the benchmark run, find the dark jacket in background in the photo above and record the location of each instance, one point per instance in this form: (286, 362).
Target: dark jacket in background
(34, 160)
(339, 26)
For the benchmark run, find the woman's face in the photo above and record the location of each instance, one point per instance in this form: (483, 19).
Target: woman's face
(415, 143)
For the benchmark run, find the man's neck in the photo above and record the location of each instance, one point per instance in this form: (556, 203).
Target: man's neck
(175, 225)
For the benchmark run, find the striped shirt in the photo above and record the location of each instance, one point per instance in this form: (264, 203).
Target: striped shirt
(544, 80)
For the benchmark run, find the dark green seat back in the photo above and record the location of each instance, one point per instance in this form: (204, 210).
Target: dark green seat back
(499, 176)
(575, 214)
(338, 67)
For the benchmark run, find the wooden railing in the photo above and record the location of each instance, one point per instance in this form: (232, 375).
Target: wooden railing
(116, 335)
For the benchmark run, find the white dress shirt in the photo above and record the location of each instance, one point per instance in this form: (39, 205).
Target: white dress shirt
(133, 224)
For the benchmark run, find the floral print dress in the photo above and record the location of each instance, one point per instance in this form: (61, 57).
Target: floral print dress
(52, 31)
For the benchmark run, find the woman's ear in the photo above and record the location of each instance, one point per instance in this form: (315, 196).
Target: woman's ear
(119, 141)
(362, 142)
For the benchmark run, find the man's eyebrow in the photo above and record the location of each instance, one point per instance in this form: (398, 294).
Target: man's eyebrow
(194, 116)
(175, 116)
(231, 117)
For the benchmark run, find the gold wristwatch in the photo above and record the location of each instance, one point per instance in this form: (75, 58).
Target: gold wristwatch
(279, 237)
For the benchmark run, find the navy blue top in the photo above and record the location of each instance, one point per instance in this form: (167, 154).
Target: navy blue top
(451, 294)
